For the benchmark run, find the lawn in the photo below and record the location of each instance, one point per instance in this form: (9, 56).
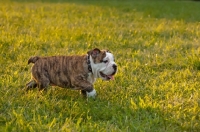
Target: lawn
(156, 46)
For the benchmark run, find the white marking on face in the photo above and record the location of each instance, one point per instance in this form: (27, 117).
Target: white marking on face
(109, 57)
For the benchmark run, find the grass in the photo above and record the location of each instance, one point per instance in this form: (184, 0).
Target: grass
(157, 48)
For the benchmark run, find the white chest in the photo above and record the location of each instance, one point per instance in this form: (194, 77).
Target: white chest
(91, 78)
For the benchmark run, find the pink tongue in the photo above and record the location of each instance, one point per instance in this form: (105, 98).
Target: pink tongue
(111, 77)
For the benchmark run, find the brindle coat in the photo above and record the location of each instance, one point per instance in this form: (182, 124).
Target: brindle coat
(64, 71)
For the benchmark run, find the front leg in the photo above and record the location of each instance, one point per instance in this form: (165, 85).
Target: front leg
(86, 88)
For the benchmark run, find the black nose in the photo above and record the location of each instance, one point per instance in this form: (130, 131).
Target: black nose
(114, 67)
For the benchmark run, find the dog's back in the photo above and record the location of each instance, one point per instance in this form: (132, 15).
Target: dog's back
(59, 70)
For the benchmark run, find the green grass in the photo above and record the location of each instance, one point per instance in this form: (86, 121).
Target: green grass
(157, 48)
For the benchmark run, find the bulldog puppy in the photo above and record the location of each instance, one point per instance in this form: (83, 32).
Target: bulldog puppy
(74, 72)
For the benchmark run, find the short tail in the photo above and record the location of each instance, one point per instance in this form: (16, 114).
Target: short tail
(33, 59)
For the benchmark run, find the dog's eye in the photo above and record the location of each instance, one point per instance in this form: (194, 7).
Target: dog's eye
(105, 61)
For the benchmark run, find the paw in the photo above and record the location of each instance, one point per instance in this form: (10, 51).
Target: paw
(30, 85)
(91, 94)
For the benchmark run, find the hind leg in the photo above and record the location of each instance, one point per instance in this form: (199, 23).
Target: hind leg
(30, 85)
(43, 83)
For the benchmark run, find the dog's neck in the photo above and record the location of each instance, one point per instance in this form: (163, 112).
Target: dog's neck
(93, 71)
(92, 75)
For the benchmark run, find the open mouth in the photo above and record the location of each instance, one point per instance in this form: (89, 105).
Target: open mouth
(108, 77)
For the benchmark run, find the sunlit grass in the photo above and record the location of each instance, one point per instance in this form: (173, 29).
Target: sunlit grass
(156, 45)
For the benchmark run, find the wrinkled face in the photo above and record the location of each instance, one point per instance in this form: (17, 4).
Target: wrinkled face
(103, 64)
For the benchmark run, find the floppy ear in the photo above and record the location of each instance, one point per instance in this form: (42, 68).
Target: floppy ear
(94, 53)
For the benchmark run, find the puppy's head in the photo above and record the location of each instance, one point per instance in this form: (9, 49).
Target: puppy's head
(103, 64)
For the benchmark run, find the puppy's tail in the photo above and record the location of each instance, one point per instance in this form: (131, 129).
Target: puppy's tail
(33, 59)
